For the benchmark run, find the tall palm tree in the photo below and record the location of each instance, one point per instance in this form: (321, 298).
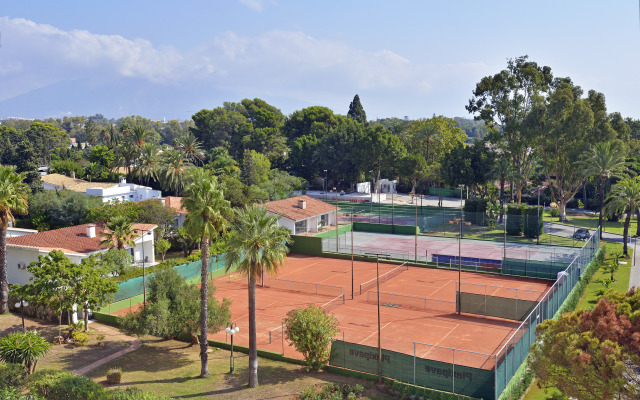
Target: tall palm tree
(148, 163)
(256, 245)
(174, 171)
(624, 197)
(13, 199)
(207, 213)
(605, 162)
(119, 233)
(190, 146)
(140, 135)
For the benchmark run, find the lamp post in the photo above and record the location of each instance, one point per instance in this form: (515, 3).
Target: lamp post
(144, 286)
(325, 186)
(21, 304)
(460, 252)
(538, 240)
(337, 224)
(377, 256)
(415, 252)
(231, 329)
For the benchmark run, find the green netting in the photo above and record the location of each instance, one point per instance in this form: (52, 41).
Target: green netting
(448, 377)
(532, 268)
(495, 306)
(189, 271)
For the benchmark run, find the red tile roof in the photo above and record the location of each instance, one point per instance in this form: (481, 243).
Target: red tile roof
(290, 209)
(73, 239)
(175, 203)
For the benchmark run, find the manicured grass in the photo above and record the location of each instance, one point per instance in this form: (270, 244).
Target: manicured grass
(621, 284)
(497, 235)
(172, 368)
(591, 222)
(62, 356)
(588, 301)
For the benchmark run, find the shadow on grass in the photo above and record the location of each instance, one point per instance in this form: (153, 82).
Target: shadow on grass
(155, 355)
(239, 381)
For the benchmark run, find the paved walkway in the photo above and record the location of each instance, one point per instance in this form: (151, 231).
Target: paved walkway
(111, 333)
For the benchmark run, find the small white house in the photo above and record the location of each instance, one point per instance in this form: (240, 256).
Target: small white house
(387, 186)
(303, 214)
(76, 242)
(107, 191)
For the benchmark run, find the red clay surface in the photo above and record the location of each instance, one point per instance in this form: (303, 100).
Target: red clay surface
(437, 324)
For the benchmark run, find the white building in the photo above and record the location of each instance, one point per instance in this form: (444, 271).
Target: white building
(303, 214)
(107, 191)
(76, 242)
(15, 232)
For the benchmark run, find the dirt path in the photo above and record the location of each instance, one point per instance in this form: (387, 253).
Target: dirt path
(110, 333)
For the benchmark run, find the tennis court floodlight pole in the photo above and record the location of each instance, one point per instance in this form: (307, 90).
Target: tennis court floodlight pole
(144, 286)
(377, 256)
(352, 253)
(460, 253)
(325, 185)
(538, 242)
(337, 225)
(416, 248)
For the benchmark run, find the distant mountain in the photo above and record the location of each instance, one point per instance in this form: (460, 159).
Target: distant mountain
(120, 98)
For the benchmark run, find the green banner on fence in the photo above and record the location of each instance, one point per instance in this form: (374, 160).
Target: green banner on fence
(495, 306)
(448, 377)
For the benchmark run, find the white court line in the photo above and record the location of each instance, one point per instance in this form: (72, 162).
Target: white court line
(444, 337)
(374, 332)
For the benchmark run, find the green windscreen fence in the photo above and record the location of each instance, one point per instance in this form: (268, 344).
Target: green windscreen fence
(445, 376)
(533, 268)
(495, 306)
(192, 270)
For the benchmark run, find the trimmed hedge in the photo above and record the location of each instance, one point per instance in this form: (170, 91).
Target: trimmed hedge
(475, 211)
(113, 320)
(514, 219)
(385, 228)
(533, 221)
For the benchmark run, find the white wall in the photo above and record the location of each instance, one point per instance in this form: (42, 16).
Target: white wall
(15, 232)
(146, 242)
(27, 256)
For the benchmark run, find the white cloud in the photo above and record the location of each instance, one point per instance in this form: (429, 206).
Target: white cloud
(256, 5)
(276, 63)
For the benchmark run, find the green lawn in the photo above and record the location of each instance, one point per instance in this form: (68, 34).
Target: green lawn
(172, 368)
(587, 301)
(497, 235)
(591, 222)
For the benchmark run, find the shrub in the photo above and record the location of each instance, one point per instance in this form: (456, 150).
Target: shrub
(532, 222)
(311, 330)
(12, 375)
(114, 376)
(80, 338)
(100, 339)
(514, 219)
(24, 348)
(13, 393)
(555, 212)
(60, 385)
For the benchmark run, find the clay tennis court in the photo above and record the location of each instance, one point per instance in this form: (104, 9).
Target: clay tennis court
(436, 323)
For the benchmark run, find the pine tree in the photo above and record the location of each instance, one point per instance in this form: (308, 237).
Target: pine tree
(356, 111)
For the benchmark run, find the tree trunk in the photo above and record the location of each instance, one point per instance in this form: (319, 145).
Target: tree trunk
(562, 208)
(4, 279)
(584, 195)
(602, 183)
(638, 223)
(253, 347)
(625, 233)
(86, 318)
(204, 295)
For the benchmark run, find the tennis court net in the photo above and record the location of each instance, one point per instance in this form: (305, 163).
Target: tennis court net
(411, 302)
(304, 287)
(383, 278)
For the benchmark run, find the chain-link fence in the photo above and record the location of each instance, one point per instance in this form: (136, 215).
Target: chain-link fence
(511, 225)
(465, 372)
(189, 271)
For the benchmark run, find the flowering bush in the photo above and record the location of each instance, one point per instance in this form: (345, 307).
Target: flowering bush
(311, 331)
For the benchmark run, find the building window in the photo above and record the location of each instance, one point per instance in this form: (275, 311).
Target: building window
(324, 221)
(301, 227)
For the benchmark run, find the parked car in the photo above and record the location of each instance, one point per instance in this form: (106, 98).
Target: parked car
(581, 234)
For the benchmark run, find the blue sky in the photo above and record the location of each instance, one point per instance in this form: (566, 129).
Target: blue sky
(168, 60)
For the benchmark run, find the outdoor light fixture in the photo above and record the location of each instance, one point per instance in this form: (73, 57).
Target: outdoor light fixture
(231, 329)
(22, 303)
(388, 257)
(460, 253)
